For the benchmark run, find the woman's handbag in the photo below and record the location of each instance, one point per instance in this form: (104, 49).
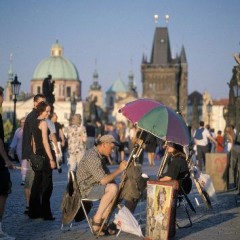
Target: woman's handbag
(37, 162)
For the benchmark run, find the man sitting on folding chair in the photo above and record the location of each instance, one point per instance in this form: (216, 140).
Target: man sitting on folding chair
(95, 180)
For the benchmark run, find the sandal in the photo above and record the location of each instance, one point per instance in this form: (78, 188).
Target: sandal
(112, 229)
(96, 230)
(26, 210)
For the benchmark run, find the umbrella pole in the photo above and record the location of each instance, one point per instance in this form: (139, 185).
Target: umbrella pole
(138, 147)
(163, 164)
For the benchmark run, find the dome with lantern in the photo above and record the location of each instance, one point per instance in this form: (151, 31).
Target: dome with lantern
(63, 72)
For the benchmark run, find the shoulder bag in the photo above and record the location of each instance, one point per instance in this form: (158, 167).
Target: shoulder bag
(36, 160)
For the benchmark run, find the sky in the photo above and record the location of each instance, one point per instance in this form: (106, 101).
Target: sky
(111, 36)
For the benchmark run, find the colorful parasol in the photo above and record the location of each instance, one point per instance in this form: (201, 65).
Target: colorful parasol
(157, 119)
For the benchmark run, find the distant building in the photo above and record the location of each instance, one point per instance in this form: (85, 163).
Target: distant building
(67, 84)
(119, 94)
(63, 72)
(165, 78)
(194, 109)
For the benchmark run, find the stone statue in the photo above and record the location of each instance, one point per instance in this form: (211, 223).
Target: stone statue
(48, 88)
(73, 104)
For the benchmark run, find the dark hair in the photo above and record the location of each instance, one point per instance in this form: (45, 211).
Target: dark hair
(201, 123)
(36, 97)
(1, 91)
(41, 107)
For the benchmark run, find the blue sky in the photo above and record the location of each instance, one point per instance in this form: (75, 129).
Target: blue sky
(115, 34)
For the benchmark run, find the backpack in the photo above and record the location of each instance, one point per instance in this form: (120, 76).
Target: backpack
(198, 134)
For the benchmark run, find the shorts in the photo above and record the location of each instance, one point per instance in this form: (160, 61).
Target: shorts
(5, 181)
(29, 178)
(97, 192)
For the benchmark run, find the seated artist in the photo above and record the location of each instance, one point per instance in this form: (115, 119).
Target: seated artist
(177, 167)
(95, 180)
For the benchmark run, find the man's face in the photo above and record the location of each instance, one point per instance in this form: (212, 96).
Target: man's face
(38, 101)
(108, 148)
(170, 149)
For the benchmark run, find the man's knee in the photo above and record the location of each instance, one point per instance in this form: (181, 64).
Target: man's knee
(112, 188)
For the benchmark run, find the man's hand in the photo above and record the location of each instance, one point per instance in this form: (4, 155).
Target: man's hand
(123, 165)
(52, 164)
(9, 164)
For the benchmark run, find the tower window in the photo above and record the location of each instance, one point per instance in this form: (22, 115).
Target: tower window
(68, 92)
(38, 90)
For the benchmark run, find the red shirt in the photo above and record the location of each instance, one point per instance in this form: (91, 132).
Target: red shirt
(220, 143)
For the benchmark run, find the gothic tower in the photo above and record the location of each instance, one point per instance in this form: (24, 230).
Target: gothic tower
(8, 88)
(165, 78)
(95, 91)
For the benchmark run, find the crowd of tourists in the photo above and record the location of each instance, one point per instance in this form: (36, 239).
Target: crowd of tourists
(87, 148)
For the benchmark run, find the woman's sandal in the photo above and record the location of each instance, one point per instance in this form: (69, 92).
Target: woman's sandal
(26, 210)
(98, 225)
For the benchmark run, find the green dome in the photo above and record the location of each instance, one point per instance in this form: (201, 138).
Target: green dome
(56, 65)
(59, 67)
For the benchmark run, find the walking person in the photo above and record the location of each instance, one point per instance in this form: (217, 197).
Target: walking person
(77, 137)
(220, 142)
(151, 146)
(16, 147)
(201, 137)
(5, 180)
(229, 137)
(39, 205)
(91, 133)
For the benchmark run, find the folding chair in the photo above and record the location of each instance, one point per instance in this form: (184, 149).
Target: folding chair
(185, 188)
(82, 201)
(79, 209)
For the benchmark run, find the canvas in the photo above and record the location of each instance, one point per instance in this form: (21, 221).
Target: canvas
(161, 209)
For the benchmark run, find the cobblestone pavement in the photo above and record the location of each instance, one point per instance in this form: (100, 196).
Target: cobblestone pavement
(220, 222)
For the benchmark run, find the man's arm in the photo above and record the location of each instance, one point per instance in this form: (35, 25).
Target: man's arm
(110, 177)
(164, 179)
(212, 139)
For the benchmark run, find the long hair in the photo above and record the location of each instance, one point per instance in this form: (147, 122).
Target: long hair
(41, 107)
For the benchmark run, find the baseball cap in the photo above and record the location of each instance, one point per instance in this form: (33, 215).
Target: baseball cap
(108, 139)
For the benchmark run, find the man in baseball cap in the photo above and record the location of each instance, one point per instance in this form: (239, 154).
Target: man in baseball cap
(95, 179)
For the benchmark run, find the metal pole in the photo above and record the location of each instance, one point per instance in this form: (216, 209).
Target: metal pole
(14, 113)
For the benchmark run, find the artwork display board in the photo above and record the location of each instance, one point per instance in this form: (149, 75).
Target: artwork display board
(161, 209)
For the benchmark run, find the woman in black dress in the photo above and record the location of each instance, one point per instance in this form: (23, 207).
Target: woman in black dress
(39, 205)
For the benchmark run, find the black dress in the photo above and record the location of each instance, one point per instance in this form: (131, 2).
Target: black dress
(39, 205)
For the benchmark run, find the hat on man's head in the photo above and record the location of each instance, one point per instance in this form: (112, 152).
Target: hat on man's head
(107, 139)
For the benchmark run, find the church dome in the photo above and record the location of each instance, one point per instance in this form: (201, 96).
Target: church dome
(56, 65)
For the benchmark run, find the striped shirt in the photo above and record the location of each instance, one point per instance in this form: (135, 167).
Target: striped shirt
(91, 170)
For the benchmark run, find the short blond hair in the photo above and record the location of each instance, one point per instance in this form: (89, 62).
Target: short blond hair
(76, 119)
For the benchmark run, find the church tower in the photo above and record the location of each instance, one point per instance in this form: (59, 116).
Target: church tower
(165, 78)
(8, 88)
(95, 91)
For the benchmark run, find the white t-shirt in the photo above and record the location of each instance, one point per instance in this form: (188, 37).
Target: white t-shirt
(204, 140)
